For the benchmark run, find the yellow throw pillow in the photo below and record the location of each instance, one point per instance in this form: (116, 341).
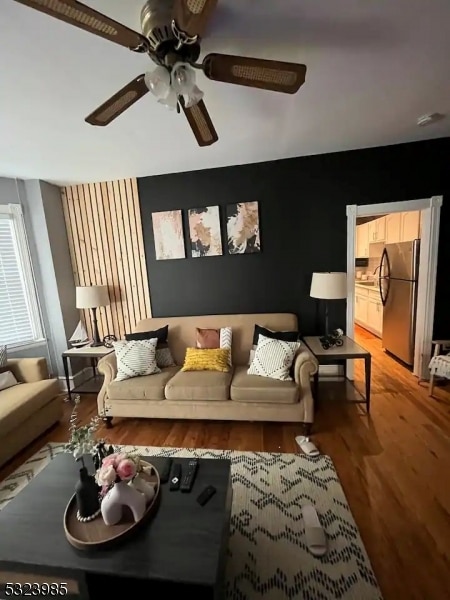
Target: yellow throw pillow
(211, 359)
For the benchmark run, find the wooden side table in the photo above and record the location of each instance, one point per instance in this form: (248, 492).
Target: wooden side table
(348, 350)
(92, 385)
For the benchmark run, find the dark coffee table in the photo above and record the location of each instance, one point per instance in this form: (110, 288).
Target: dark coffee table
(183, 548)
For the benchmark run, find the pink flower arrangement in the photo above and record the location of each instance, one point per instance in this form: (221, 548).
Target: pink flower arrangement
(117, 467)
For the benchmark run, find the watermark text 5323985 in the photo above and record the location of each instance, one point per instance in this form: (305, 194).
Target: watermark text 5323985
(38, 590)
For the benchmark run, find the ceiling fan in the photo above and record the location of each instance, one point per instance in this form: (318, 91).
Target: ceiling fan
(171, 36)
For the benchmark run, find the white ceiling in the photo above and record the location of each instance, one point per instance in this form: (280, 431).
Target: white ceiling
(373, 68)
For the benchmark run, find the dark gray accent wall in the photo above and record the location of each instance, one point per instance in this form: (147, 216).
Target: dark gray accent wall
(302, 204)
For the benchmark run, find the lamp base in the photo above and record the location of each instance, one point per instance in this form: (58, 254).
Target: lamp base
(96, 344)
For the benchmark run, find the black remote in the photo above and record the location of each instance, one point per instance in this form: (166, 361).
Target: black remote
(206, 495)
(188, 479)
(175, 476)
(164, 472)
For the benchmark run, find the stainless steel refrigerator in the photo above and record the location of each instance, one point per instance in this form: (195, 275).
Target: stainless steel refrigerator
(399, 273)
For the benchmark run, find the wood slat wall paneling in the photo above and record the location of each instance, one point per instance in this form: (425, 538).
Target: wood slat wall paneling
(106, 244)
(141, 273)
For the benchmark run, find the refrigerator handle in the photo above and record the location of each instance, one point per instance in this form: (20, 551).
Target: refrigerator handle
(384, 261)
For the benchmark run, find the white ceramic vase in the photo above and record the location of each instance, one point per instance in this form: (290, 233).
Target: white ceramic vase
(120, 495)
(143, 487)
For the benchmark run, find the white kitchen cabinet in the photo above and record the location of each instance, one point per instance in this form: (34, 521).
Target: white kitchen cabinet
(362, 240)
(410, 226)
(369, 309)
(375, 316)
(377, 230)
(361, 308)
(393, 228)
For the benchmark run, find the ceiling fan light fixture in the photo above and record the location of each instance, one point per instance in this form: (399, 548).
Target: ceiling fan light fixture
(158, 82)
(170, 101)
(193, 97)
(183, 78)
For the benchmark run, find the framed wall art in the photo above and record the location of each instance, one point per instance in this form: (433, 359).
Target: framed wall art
(204, 231)
(168, 235)
(243, 232)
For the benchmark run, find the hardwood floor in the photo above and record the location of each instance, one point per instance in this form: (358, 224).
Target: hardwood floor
(394, 466)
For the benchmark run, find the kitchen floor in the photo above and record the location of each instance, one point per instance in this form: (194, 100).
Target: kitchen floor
(373, 344)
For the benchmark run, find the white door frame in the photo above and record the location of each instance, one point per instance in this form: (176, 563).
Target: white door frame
(426, 292)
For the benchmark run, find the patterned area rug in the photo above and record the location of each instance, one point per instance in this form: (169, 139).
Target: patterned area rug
(268, 558)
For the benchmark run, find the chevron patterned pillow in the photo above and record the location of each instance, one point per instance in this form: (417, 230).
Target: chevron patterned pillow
(135, 358)
(3, 356)
(273, 358)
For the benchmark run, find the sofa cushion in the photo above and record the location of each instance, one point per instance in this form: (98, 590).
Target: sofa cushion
(253, 388)
(199, 385)
(147, 387)
(21, 401)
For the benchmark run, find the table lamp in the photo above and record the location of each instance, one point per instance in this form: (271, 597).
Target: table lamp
(92, 296)
(328, 286)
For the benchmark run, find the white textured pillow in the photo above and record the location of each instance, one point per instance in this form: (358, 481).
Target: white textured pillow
(273, 358)
(136, 358)
(7, 380)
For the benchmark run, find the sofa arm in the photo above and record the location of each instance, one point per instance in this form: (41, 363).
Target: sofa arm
(27, 370)
(107, 366)
(305, 366)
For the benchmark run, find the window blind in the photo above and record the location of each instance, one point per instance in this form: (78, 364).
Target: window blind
(18, 324)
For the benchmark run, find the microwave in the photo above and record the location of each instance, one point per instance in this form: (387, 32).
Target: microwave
(361, 262)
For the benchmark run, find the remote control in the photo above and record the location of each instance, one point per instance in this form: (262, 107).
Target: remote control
(206, 495)
(175, 476)
(164, 472)
(188, 479)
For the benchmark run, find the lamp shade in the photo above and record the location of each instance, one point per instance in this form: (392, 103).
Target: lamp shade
(329, 286)
(92, 296)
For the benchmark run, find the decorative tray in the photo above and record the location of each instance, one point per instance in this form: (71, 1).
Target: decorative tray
(96, 534)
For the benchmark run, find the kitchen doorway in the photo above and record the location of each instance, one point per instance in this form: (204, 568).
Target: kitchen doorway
(385, 219)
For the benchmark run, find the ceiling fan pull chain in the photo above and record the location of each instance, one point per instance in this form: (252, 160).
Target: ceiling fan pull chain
(182, 37)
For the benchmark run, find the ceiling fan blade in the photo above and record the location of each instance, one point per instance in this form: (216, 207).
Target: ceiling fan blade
(87, 18)
(200, 123)
(192, 16)
(118, 103)
(255, 72)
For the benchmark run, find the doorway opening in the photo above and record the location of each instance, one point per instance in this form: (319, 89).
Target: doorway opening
(391, 267)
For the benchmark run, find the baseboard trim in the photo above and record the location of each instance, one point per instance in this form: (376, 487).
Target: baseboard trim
(76, 379)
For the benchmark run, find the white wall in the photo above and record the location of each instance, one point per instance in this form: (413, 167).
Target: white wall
(44, 221)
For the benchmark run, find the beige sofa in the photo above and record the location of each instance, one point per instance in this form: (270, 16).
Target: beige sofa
(206, 394)
(27, 409)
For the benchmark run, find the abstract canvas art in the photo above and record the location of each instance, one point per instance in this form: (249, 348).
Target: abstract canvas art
(168, 235)
(243, 228)
(204, 229)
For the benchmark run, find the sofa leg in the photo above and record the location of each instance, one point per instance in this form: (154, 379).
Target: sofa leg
(108, 422)
(307, 428)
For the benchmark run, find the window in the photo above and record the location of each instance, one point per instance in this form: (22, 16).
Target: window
(20, 321)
